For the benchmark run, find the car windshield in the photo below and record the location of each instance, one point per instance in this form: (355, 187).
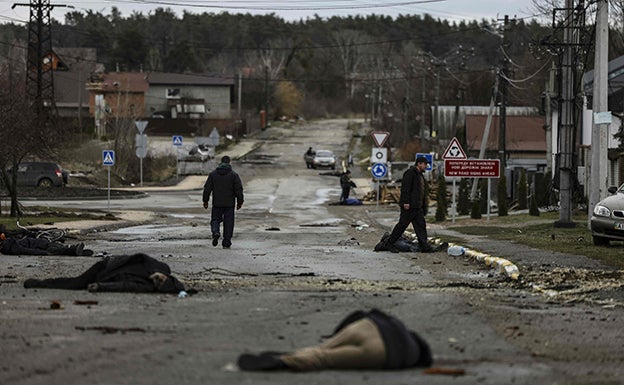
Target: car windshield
(324, 154)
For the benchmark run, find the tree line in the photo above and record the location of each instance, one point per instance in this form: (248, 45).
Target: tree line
(334, 63)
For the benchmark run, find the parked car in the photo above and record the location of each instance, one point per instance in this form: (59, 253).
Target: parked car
(324, 158)
(607, 222)
(41, 174)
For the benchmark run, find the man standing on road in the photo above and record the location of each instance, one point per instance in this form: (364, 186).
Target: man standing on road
(345, 184)
(413, 206)
(226, 188)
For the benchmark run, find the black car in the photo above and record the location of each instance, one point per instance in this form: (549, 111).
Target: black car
(41, 174)
(607, 223)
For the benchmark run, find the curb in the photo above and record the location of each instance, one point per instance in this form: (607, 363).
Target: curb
(504, 266)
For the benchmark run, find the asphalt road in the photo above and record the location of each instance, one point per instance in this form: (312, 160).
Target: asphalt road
(297, 266)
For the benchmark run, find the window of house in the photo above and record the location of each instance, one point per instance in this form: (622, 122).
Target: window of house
(173, 93)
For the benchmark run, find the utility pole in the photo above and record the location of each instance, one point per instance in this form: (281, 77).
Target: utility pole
(39, 63)
(502, 134)
(548, 119)
(566, 121)
(599, 142)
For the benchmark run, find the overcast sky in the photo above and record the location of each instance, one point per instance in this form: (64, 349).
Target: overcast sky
(292, 10)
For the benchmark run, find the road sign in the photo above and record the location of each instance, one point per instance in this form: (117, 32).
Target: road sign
(177, 140)
(472, 168)
(141, 152)
(379, 155)
(429, 160)
(108, 157)
(214, 137)
(380, 137)
(454, 150)
(379, 170)
(140, 125)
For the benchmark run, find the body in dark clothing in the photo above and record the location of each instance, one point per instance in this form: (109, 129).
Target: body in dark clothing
(413, 206)
(39, 246)
(363, 340)
(123, 273)
(226, 189)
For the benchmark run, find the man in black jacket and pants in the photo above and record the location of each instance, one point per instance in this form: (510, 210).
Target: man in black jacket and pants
(413, 204)
(226, 188)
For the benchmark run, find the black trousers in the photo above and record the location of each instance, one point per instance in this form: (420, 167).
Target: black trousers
(417, 218)
(346, 189)
(225, 215)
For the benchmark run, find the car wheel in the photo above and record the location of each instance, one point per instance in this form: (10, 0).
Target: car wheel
(45, 182)
(600, 241)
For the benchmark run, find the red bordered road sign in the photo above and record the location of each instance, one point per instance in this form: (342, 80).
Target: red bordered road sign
(472, 168)
(454, 150)
(380, 137)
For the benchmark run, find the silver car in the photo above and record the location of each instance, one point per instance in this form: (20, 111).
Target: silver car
(324, 158)
(607, 222)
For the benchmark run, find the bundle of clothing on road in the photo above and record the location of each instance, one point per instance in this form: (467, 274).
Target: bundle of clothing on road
(137, 273)
(10, 245)
(403, 244)
(362, 340)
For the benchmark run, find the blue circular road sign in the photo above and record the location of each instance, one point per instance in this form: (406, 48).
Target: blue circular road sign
(379, 170)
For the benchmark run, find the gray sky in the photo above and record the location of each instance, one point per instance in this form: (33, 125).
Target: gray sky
(291, 10)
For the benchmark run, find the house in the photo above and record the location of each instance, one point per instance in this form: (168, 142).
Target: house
(525, 140)
(116, 95)
(451, 117)
(71, 96)
(191, 96)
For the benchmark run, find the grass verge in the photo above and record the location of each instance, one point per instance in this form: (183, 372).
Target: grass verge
(539, 232)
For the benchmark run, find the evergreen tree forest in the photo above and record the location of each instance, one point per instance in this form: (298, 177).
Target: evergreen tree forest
(360, 64)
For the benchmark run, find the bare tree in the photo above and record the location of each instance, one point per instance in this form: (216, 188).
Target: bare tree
(24, 131)
(349, 48)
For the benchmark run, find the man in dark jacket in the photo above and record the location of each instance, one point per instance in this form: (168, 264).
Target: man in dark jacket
(226, 188)
(363, 340)
(138, 273)
(413, 205)
(345, 184)
(39, 246)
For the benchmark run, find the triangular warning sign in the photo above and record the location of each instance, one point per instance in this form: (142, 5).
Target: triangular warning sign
(454, 151)
(380, 137)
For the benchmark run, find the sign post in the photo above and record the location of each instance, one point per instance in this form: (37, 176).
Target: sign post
(141, 144)
(177, 141)
(473, 168)
(379, 158)
(453, 151)
(108, 159)
(379, 170)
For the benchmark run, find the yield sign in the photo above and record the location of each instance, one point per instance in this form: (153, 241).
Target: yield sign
(454, 151)
(380, 137)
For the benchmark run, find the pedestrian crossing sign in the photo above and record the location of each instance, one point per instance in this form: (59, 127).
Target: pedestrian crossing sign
(108, 157)
(177, 140)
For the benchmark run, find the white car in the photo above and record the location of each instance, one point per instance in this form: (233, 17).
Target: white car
(607, 223)
(324, 158)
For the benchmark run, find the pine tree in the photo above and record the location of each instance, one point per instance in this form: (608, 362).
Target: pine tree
(463, 201)
(501, 189)
(522, 190)
(442, 202)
